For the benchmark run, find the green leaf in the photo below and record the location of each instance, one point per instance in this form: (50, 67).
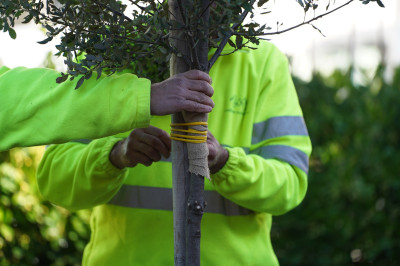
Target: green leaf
(91, 57)
(231, 43)
(45, 40)
(80, 82)
(61, 79)
(261, 3)
(27, 19)
(239, 41)
(247, 7)
(380, 3)
(99, 71)
(307, 7)
(50, 28)
(89, 75)
(6, 26)
(327, 6)
(12, 33)
(81, 69)
(317, 29)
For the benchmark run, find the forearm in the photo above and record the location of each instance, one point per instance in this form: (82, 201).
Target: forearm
(259, 184)
(78, 176)
(36, 110)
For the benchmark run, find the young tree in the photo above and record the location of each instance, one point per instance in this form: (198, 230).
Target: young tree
(101, 36)
(188, 182)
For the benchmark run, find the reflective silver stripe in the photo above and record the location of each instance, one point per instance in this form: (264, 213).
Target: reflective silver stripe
(156, 198)
(84, 141)
(288, 154)
(279, 126)
(246, 150)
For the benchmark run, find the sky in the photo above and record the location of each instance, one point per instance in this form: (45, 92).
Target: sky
(356, 26)
(300, 44)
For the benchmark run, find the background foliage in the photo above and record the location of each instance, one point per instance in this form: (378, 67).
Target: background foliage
(352, 208)
(34, 232)
(349, 215)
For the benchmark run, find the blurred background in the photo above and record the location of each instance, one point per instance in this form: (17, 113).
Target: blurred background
(349, 88)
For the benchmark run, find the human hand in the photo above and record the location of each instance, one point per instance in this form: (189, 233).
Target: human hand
(217, 155)
(189, 91)
(144, 146)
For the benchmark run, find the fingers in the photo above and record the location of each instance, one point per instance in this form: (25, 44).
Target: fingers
(196, 98)
(147, 145)
(192, 106)
(157, 140)
(136, 157)
(200, 98)
(200, 86)
(189, 91)
(197, 75)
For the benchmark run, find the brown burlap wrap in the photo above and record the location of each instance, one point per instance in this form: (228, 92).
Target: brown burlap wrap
(197, 152)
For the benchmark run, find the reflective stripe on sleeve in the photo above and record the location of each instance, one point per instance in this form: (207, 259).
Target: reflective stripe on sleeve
(156, 198)
(279, 126)
(288, 154)
(83, 141)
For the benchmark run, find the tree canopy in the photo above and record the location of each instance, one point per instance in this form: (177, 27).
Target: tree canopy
(113, 36)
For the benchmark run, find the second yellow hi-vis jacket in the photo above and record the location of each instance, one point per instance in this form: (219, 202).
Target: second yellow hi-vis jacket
(257, 117)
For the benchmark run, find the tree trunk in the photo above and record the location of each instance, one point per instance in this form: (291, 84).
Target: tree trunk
(189, 160)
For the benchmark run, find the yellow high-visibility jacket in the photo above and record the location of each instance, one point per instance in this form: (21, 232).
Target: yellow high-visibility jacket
(257, 117)
(35, 110)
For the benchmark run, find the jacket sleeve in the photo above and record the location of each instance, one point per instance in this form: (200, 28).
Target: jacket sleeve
(35, 110)
(78, 176)
(271, 175)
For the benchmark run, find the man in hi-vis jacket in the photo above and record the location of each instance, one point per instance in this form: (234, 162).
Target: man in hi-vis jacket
(259, 149)
(35, 110)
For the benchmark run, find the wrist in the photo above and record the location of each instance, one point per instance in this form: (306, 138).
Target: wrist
(221, 161)
(153, 103)
(115, 155)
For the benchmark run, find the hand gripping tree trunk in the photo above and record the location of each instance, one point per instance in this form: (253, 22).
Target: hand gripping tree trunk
(189, 160)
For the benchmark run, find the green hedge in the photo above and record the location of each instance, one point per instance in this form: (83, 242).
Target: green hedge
(349, 215)
(352, 208)
(34, 232)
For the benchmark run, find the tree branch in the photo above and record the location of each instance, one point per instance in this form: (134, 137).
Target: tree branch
(180, 6)
(226, 38)
(303, 23)
(205, 9)
(73, 28)
(140, 7)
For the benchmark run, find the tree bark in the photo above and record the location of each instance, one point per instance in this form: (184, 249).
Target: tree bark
(188, 178)
(180, 162)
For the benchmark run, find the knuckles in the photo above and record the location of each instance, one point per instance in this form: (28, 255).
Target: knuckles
(178, 82)
(147, 162)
